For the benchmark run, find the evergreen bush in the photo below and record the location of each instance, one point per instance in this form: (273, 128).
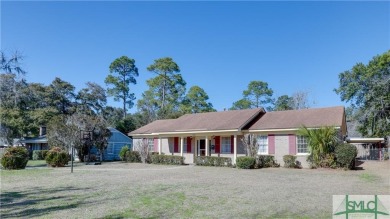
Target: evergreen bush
(345, 155)
(245, 162)
(15, 158)
(213, 161)
(56, 157)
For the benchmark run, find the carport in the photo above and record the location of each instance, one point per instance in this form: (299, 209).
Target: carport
(369, 148)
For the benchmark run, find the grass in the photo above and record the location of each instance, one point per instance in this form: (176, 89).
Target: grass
(118, 190)
(368, 177)
(36, 163)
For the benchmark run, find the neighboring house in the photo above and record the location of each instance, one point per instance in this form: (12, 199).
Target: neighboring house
(115, 143)
(36, 143)
(219, 133)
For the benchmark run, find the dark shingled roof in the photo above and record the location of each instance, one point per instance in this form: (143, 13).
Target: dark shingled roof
(311, 118)
(252, 119)
(225, 120)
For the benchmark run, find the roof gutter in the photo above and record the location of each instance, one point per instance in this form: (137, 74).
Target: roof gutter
(279, 130)
(184, 133)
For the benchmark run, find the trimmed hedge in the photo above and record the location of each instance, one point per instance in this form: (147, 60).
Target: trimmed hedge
(289, 161)
(166, 159)
(246, 162)
(15, 158)
(56, 157)
(39, 154)
(266, 161)
(133, 157)
(345, 155)
(213, 161)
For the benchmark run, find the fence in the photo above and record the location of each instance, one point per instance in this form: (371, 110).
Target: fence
(369, 152)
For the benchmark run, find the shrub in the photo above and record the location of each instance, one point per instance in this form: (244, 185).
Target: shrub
(15, 158)
(57, 157)
(133, 157)
(289, 161)
(386, 156)
(213, 161)
(328, 161)
(345, 155)
(245, 162)
(39, 154)
(122, 153)
(266, 161)
(166, 159)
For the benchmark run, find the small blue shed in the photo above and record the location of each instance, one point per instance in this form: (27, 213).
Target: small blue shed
(115, 144)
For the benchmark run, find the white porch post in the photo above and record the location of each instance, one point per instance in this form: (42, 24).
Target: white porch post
(159, 145)
(207, 145)
(196, 146)
(181, 146)
(235, 149)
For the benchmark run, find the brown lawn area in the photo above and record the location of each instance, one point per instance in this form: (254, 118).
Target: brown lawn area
(119, 190)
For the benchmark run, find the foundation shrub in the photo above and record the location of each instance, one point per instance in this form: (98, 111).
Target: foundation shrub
(246, 162)
(290, 161)
(166, 159)
(56, 157)
(39, 154)
(213, 161)
(15, 158)
(328, 161)
(133, 157)
(345, 155)
(264, 161)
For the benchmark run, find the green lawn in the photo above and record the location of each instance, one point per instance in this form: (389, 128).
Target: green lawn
(36, 163)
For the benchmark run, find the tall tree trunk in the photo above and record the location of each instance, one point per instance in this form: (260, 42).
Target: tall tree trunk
(124, 107)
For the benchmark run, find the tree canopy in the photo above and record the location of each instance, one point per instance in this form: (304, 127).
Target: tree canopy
(283, 102)
(367, 88)
(196, 101)
(122, 73)
(258, 94)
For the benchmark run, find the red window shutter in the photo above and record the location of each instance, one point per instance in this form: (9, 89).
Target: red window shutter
(217, 144)
(155, 145)
(232, 144)
(176, 145)
(271, 144)
(189, 145)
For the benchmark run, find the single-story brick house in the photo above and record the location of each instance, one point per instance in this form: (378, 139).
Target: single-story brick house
(220, 133)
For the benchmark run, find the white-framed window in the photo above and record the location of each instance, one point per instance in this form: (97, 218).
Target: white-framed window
(151, 144)
(226, 145)
(302, 145)
(262, 141)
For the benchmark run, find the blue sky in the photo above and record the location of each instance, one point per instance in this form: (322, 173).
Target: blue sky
(219, 46)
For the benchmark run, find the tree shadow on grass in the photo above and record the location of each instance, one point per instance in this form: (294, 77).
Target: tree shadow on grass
(29, 203)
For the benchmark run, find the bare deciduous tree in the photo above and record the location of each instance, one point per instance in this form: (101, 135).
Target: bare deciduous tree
(142, 147)
(250, 143)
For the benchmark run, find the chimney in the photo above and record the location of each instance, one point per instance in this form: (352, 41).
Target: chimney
(42, 130)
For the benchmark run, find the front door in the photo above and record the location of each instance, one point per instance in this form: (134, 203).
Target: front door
(202, 148)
